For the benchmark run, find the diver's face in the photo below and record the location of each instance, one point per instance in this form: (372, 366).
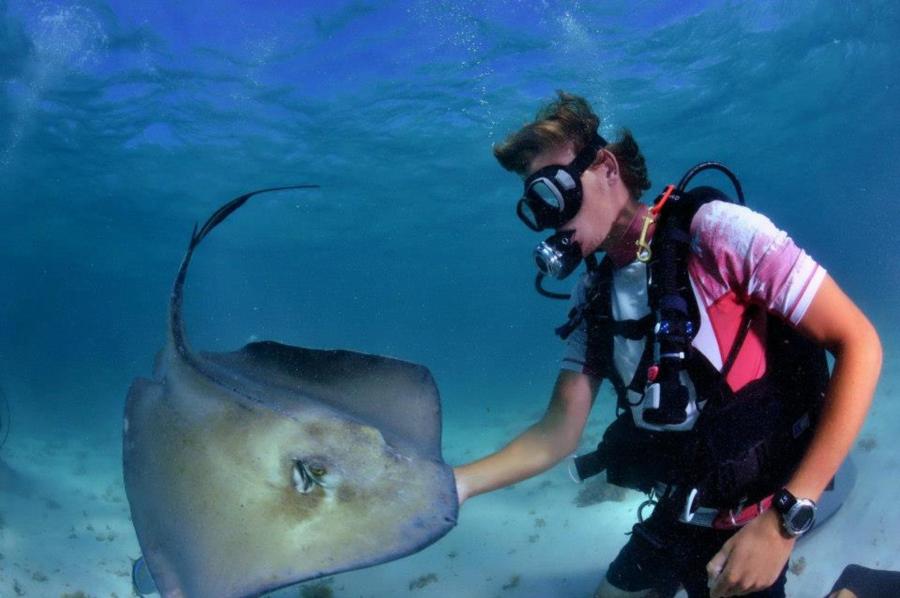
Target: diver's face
(593, 221)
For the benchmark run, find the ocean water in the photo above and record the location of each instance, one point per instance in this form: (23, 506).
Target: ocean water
(124, 123)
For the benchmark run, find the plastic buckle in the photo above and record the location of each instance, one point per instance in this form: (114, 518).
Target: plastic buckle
(700, 516)
(688, 514)
(650, 502)
(573, 470)
(647, 503)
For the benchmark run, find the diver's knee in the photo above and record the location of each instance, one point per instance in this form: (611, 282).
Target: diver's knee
(607, 590)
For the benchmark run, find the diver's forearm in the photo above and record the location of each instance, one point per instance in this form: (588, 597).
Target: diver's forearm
(541, 446)
(529, 454)
(849, 395)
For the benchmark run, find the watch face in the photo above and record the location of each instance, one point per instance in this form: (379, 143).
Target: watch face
(803, 519)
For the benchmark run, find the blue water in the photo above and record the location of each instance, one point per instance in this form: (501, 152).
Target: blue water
(123, 123)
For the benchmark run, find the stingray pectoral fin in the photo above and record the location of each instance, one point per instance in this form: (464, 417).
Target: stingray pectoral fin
(397, 397)
(147, 469)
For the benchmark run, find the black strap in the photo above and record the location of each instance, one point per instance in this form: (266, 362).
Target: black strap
(633, 330)
(746, 321)
(639, 380)
(602, 329)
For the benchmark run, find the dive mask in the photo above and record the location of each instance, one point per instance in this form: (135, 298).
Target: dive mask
(553, 194)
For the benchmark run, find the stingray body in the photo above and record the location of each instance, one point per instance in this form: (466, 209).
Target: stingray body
(260, 468)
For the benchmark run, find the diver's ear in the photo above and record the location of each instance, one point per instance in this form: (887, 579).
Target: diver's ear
(606, 164)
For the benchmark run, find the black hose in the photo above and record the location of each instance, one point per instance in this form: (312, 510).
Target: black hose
(539, 287)
(713, 166)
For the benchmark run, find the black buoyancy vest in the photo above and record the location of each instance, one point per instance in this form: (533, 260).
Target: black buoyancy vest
(745, 444)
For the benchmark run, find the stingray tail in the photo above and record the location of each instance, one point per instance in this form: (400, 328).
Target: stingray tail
(176, 323)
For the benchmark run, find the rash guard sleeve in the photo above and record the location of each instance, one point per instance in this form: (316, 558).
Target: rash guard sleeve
(742, 252)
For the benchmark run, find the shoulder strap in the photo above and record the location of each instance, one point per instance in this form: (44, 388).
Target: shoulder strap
(596, 297)
(669, 284)
(746, 322)
(601, 329)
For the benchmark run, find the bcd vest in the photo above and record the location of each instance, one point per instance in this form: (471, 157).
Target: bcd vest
(743, 445)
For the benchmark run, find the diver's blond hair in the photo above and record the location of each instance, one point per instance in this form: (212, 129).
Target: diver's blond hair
(570, 118)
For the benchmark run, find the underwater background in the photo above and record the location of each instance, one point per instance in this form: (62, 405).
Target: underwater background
(124, 123)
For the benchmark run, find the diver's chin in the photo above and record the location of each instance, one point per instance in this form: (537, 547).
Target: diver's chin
(588, 247)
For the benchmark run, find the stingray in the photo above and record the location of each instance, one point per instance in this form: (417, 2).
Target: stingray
(251, 470)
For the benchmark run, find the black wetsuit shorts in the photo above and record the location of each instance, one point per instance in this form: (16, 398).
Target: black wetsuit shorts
(665, 554)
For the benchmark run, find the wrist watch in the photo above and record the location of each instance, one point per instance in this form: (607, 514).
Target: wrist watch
(797, 514)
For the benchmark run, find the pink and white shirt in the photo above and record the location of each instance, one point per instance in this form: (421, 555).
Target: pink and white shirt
(738, 257)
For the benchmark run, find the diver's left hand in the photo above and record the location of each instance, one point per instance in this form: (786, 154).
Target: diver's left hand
(752, 559)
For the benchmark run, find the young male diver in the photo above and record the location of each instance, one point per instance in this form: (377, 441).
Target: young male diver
(711, 325)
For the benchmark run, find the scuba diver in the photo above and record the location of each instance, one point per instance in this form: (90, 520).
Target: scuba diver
(711, 325)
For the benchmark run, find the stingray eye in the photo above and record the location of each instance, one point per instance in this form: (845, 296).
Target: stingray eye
(303, 480)
(307, 475)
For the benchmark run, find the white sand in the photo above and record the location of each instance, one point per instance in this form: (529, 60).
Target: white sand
(65, 524)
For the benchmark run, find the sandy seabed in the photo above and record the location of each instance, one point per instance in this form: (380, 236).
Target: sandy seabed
(65, 529)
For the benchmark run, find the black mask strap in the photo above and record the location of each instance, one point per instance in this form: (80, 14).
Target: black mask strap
(587, 155)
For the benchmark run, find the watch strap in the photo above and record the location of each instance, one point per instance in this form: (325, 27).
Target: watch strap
(783, 500)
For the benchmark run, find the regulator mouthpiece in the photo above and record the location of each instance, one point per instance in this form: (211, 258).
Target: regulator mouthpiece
(559, 255)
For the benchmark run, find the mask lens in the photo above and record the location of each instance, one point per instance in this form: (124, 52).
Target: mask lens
(541, 207)
(546, 194)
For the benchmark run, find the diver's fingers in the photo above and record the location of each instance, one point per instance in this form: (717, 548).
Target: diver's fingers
(715, 568)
